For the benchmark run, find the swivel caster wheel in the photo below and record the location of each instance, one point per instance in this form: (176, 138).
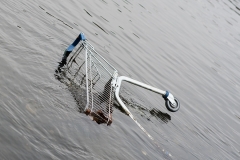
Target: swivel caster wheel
(171, 107)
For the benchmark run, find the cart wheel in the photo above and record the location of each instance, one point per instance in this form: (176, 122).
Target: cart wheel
(171, 107)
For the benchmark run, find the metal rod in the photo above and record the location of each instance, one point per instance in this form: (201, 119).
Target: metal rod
(86, 57)
(90, 66)
(137, 83)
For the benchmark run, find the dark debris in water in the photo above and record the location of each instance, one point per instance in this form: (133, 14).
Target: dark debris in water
(142, 6)
(121, 27)
(104, 18)
(100, 27)
(238, 8)
(136, 35)
(87, 12)
(116, 3)
(42, 8)
(50, 14)
(232, 8)
(126, 8)
(127, 2)
(57, 18)
(64, 23)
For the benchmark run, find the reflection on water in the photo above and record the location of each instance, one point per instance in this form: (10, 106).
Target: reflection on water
(145, 112)
(78, 93)
(159, 115)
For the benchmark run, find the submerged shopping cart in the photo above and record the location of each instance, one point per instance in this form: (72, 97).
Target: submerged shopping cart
(100, 82)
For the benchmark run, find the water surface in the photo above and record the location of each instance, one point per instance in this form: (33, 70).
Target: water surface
(190, 48)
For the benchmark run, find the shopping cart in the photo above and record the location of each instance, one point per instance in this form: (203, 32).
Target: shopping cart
(101, 83)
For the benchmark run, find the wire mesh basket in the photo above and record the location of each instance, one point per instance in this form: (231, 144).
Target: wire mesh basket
(94, 74)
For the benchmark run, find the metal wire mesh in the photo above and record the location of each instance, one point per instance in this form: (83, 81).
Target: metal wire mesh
(94, 74)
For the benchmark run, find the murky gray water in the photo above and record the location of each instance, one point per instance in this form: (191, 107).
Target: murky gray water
(190, 48)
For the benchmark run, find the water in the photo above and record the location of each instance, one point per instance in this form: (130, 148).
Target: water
(190, 48)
